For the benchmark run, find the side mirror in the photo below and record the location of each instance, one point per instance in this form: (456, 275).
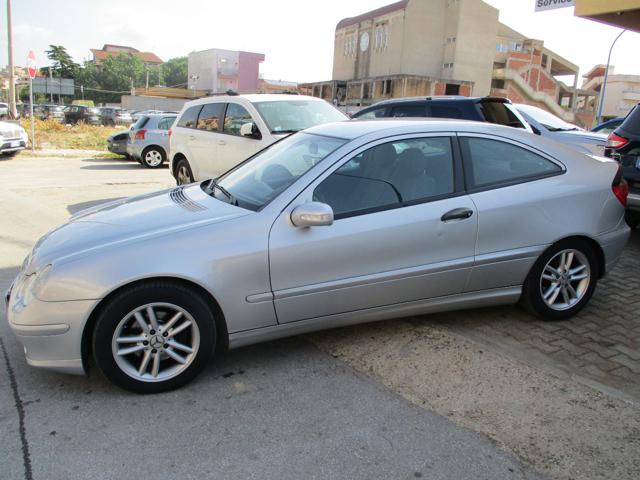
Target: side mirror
(251, 130)
(312, 214)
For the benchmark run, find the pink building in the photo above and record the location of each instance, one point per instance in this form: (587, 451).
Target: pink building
(218, 71)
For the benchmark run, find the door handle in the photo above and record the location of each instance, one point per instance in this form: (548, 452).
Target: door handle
(457, 214)
(221, 142)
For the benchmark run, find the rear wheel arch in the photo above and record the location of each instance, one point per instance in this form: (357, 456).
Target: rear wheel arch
(218, 314)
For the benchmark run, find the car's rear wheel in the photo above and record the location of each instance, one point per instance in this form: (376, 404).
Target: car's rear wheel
(184, 175)
(561, 281)
(153, 157)
(154, 337)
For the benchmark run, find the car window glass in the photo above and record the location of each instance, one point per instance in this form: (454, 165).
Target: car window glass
(375, 113)
(390, 175)
(165, 123)
(189, 117)
(499, 113)
(209, 118)
(235, 117)
(408, 111)
(492, 162)
(440, 111)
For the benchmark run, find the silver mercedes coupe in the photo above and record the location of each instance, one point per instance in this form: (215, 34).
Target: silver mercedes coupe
(340, 224)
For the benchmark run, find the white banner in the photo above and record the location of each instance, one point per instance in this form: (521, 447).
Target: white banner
(542, 5)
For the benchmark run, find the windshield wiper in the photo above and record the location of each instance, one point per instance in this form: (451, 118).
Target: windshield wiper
(213, 184)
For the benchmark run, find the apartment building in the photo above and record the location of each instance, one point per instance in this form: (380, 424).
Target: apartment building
(217, 71)
(622, 94)
(452, 47)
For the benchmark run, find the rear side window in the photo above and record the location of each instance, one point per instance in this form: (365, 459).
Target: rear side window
(493, 163)
(408, 111)
(165, 123)
(497, 112)
(190, 117)
(209, 118)
(441, 111)
(374, 113)
(235, 117)
(142, 121)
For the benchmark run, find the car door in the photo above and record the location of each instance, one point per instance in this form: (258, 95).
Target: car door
(161, 132)
(518, 194)
(234, 147)
(404, 230)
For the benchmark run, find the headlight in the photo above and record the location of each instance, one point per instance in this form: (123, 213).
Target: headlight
(30, 287)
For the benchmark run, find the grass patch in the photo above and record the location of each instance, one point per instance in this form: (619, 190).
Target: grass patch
(51, 134)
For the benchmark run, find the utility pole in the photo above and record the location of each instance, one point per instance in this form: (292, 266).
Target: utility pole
(12, 79)
(147, 82)
(51, 83)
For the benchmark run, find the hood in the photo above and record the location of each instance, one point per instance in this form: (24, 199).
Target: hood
(131, 219)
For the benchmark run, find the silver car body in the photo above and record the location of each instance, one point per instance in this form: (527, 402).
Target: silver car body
(13, 137)
(156, 134)
(272, 279)
(586, 142)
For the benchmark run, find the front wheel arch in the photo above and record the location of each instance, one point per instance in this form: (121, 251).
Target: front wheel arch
(221, 324)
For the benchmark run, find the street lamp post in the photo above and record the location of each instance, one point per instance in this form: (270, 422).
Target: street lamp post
(12, 78)
(606, 76)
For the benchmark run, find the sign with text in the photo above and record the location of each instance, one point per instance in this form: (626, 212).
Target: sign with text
(542, 5)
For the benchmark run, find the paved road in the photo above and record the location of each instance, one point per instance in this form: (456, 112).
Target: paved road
(279, 410)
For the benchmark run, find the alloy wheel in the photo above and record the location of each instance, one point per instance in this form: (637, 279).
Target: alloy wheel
(153, 158)
(565, 279)
(155, 342)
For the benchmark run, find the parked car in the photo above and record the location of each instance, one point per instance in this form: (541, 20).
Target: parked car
(115, 116)
(623, 145)
(117, 143)
(548, 125)
(4, 110)
(81, 114)
(343, 223)
(212, 135)
(148, 140)
(13, 139)
(481, 109)
(137, 114)
(49, 112)
(608, 126)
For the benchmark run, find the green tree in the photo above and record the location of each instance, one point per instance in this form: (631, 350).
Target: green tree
(174, 72)
(63, 64)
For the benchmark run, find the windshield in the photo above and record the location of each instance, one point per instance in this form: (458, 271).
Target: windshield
(498, 112)
(546, 119)
(255, 183)
(294, 115)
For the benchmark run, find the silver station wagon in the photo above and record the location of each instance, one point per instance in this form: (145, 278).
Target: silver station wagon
(342, 223)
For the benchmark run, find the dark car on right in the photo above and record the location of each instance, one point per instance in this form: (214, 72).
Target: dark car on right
(623, 145)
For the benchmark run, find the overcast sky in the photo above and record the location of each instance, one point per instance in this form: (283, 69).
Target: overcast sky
(296, 36)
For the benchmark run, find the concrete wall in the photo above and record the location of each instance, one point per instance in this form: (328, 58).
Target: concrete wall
(423, 42)
(249, 71)
(130, 102)
(202, 64)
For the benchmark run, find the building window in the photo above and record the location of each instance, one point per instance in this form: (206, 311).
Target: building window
(349, 45)
(499, 84)
(450, 40)
(515, 47)
(502, 48)
(381, 39)
(447, 65)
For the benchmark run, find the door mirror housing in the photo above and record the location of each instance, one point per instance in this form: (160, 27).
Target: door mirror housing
(250, 130)
(312, 214)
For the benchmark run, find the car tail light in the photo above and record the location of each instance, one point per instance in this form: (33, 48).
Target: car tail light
(616, 141)
(169, 132)
(620, 187)
(140, 135)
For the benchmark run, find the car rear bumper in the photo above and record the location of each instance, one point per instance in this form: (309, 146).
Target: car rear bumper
(633, 201)
(613, 244)
(51, 333)
(135, 149)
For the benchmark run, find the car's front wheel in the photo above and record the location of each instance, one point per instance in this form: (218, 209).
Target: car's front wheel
(184, 176)
(561, 281)
(153, 157)
(154, 337)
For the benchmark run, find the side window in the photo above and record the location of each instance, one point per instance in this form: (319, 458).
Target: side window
(389, 176)
(209, 118)
(408, 111)
(497, 112)
(189, 117)
(440, 111)
(493, 162)
(235, 117)
(165, 123)
(375, 113)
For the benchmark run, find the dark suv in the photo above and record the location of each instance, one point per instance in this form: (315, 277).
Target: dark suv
(81, 114)
(623, 145)
(481, 109)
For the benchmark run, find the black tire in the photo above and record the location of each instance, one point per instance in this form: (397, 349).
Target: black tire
(157, 153)
(183, 173)
(633, 219)
(532, 295)
(122, 304)
(11, 154)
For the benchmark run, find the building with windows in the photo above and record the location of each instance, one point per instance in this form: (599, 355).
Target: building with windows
(218, 71)
(623, 91)
(108, 50)
(445, 47)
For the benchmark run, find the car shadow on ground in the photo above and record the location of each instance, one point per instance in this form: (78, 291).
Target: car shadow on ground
(77, 207)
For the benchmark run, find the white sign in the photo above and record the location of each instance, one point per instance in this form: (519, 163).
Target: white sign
(542, 5)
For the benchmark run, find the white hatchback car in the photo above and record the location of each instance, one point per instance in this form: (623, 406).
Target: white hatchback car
(212, 135)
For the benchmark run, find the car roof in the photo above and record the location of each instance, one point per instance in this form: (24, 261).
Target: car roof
(253, 98)
(440, 98)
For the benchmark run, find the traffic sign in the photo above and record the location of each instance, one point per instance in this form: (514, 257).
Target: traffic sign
(31, 64)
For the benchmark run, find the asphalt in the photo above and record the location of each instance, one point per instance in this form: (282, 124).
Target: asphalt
(280, 410)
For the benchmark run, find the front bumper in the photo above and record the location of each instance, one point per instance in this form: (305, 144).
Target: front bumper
(51, 333)
(13, 145)
(117, 147)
